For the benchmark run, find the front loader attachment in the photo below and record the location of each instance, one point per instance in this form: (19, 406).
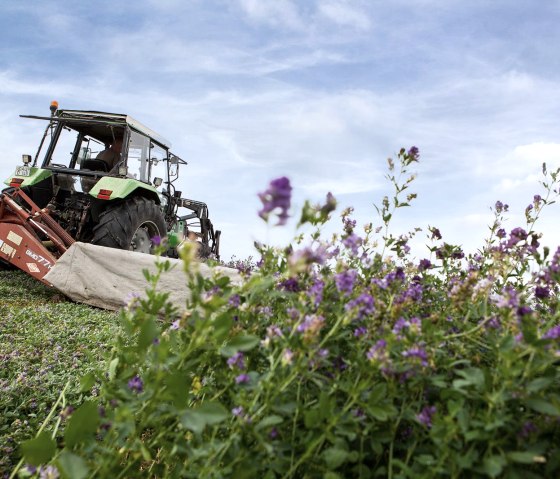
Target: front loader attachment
(29, 238)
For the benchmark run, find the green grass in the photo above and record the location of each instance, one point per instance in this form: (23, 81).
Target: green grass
(45, 341)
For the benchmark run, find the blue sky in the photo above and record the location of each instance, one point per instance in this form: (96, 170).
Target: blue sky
(322, 91)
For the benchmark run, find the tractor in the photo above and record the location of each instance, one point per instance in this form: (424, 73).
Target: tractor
(98, 178)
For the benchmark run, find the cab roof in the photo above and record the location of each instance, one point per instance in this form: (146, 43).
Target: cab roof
(79, 119)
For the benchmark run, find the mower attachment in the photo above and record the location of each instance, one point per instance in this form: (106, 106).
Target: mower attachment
(29, 238)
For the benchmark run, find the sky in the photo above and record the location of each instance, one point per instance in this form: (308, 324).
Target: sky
(320, 91)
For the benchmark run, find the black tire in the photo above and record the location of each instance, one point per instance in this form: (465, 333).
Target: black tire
(130, 225)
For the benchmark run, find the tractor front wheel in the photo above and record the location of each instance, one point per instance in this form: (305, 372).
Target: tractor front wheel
(130, 225)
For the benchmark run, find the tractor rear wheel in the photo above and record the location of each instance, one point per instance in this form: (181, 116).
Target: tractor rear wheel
(130, 225)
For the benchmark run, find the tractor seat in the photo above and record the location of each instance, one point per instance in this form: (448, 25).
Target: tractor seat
(93, 165)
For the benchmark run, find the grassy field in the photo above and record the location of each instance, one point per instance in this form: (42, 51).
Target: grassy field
(45, 341)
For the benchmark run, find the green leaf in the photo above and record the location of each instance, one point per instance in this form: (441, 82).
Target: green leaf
(207, 413)
(269, 421)
(312, 418)
(523, 457)
(426, 459)
(378, 413)
(378, 393)
(222, 326)
(494, 465)
(148, 332)
(240, 343)
(39, 450)
(190, 419)
(113, 368)
(539, 383)
(82, 425)
(543, 407)
(71, 466)
(212, 412)
(472, 377)
(335, 457)
(86, 382)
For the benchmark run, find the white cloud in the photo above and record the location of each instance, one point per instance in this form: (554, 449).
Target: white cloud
(281, 13)
(342, 13)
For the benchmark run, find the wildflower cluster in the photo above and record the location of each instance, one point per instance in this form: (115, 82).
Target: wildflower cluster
(334, 359)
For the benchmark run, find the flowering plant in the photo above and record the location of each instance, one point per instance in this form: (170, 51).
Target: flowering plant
(337, 358)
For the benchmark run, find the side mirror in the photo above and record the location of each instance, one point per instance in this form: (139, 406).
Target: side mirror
(173, 165)
(158, 182)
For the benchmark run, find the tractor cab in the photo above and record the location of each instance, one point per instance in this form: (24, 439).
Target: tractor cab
(78, 141)
(107, 179)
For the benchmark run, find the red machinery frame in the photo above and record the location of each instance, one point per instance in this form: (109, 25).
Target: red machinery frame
(29, 238)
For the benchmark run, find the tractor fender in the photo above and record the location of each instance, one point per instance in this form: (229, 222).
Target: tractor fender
(109, 188)
(36, 175)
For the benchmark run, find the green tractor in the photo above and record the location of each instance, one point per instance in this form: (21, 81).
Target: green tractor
(108, 180)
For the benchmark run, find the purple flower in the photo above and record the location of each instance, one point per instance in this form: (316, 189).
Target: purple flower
(156, 240)
(501, 233)
(299, 260)
(352, 242)
(266, 311)
(542, 292)
(537, 199)
(273, 434)
(238, 411)
(527, 429)
(273, 331)
(414, 293)
(276, 197)
(516, 235)
(363, 305)
(389, 279)
(234, 301)
(414, 153)
(290, 284)
(345, 281)
(215, 290)
(323, 353)
(378, 352)
(287, 357)
(379, 355)
(242, 379)
(424, 265)
(136, 384)
(30, 469)
(553, 333)
(413, 324)
(360, 331)
(311, 325)
(349, 225)
(501, 207)
(66, 412)
(435, 233)
(417, 353)
(49, 472)
(175, 325)
(524, 311)
(293, 313)
(426, 415)
(237, 361)
(508, 299)
(316, 291)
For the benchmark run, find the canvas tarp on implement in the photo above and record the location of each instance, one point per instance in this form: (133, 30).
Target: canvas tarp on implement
(108, 277)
